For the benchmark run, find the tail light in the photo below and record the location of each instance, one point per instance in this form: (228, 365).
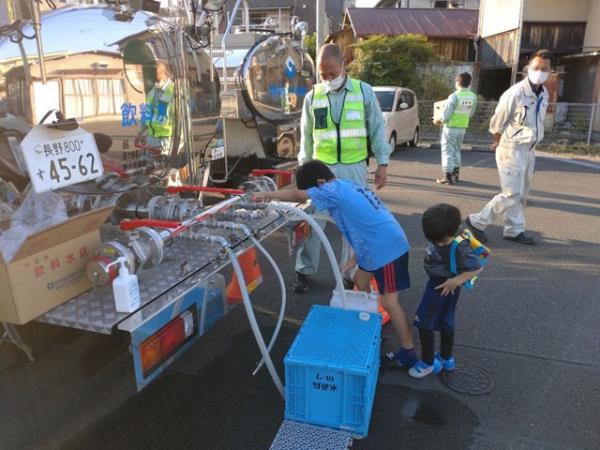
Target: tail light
(166, 341)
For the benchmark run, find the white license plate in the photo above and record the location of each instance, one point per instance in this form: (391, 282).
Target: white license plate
(218, 153)
(58, 158)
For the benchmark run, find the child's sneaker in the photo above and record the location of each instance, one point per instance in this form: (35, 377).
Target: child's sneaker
(403, 359)
(447, 364)
(422, 369)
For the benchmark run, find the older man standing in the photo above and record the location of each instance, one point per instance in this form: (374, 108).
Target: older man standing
(518, 126)
(341, 122)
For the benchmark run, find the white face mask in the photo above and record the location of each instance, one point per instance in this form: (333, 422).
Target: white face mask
(537, 77)
(335, 84)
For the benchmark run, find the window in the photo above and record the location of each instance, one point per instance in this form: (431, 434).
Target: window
(88, 97)
(408, 98)
(440, 4)
(385, 99)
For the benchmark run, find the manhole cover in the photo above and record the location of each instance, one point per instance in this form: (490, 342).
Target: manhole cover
(469, 380)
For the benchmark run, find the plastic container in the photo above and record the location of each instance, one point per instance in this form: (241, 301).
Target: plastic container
(357, 301)
(126, 290)
(331, 369)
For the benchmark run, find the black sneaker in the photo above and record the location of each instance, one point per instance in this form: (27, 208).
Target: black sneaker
(300, 285)
(521, 238)
(479, 234)
(456, 175)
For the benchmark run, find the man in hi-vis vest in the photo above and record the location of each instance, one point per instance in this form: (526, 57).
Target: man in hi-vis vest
(459, 108)
(157, 126)
(341, 122)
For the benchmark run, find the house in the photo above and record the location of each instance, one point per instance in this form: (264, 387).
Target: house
(451, 31)
(511, 30)
(283, 10)
(467, 4)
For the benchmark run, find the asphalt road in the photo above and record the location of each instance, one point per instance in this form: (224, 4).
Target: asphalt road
(531, 323)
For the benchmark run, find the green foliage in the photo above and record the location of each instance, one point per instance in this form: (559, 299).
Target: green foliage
(434, 86)
(391, 60)
(310, 41)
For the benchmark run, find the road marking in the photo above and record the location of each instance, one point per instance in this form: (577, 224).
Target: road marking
(575, 162)
(270, 312)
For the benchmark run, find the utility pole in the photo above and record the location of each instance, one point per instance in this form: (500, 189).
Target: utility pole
(320, 28)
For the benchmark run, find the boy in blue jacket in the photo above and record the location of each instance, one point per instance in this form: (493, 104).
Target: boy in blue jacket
(376, 237)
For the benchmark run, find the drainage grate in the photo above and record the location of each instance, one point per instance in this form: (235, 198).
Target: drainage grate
(302, 436)
(469, 380)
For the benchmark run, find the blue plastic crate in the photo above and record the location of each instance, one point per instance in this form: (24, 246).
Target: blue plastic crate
(331, 370)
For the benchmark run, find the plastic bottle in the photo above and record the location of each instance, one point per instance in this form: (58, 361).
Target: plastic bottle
(126, 290)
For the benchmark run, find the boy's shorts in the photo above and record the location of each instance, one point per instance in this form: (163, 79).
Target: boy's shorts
(436, 312)
(392, 277)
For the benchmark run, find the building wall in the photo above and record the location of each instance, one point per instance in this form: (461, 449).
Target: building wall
(453, 49)
(556, 10)
(498, 51)
(592, 31)
(468, 4)
(498, 16)
(560, 37)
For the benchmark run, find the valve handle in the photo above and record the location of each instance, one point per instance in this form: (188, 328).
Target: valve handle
(216, 190)
(261, 172)
(136, 223)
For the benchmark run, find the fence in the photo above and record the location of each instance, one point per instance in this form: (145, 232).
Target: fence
(568, 122)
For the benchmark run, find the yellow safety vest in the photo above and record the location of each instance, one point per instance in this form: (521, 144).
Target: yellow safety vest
(462, 112)
(160, 124)
(345, 142)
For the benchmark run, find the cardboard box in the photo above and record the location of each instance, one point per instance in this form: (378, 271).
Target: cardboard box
(438, 107)
(49, 268)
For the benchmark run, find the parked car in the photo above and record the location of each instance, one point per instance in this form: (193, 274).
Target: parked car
(401, 114)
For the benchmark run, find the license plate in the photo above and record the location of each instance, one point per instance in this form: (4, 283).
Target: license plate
(57, 158)
(218, 153)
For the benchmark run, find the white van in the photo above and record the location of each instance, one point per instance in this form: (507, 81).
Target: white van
(401, 114)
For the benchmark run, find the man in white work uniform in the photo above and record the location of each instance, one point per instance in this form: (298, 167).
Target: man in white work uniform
(341, 121)
(518, 126)
(458, 110)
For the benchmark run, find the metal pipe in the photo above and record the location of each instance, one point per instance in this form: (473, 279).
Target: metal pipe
(37, 28)
(246, 16)
(224, 40)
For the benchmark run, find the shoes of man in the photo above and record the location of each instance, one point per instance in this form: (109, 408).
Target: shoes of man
(456, 175)
(521, 238)
(300, 285)
(479, 234)
(446, 180)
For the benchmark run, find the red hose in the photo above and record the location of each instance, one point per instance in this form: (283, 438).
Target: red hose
(136, 223)
(178, 189)
(260, 172)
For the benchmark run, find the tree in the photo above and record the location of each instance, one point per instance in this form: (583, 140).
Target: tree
(310, 42)
(391, 60)
(434, 86)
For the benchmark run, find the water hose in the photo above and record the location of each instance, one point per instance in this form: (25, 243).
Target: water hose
(278, 206)
(281, 316)
(252, 320)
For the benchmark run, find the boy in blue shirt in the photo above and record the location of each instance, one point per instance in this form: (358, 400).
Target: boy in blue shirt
(450, 262)
(375, 235)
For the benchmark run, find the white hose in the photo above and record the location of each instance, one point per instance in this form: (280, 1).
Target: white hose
(259, 246)
(277, 206)
(253, 324)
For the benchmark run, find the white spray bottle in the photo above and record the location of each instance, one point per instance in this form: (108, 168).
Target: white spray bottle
(126, 289)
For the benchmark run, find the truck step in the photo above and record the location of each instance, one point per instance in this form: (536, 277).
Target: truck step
(303, 436)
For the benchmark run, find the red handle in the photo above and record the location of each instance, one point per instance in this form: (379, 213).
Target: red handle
(136, 223)
(260, 172)
(177, 189)
(114, 168)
